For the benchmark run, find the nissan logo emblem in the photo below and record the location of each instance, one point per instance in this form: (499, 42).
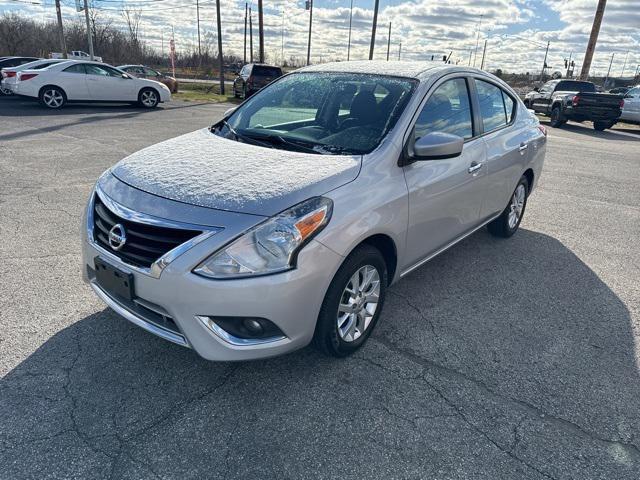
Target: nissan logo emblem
(117, 237)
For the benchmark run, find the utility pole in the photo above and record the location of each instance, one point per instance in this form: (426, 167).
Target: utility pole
(591, 46)
(63, 44)
(282, 38)
(260, 32)
(569, 65)
(475, 56)
(310, 8)
(389, 42)
(350, 20)
(89, 36)
(220, 57)
(544, 62)
(608, 71)
(624, 65)
(250, 35)
(399, 50)
(244, 58)
(198, 21)
(484, 52)
(373, 29)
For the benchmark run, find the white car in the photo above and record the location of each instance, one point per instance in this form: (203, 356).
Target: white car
(77, 55)
(631, 108)
(79, 81)
(9, 77)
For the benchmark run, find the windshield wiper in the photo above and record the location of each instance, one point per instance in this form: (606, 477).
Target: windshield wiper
(245, 138)
(274, 139)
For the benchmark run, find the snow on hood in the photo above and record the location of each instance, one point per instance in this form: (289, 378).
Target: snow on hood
(203, 169)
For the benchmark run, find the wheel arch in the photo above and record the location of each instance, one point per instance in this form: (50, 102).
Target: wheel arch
(149, 87)
(387, 247)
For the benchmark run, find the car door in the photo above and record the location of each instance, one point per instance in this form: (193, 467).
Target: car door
(445, 195)
(542, 101)
(73, 80)
(108, 84)
(631, 109)
(507, 144)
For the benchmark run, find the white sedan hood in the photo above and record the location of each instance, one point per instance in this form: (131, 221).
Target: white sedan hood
(203, 169)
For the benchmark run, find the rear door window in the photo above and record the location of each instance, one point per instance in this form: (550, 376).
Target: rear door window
(492, 108)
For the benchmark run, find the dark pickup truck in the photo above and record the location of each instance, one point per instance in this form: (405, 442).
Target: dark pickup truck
(575, 100)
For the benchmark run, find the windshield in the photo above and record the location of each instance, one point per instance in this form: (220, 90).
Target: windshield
(326, 113)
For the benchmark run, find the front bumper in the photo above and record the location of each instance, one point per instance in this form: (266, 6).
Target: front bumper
(174, 305)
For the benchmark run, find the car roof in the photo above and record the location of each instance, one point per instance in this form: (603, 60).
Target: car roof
(415, 70)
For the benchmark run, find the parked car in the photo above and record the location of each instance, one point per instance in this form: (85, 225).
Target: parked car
(9, 75)
(631, 108)
(253, 77)
(576, 100)
(10, 62)
(141, 71)
(77, 55)
(74, 81)
(288, 219)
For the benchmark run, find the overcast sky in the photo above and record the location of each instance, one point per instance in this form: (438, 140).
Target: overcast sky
(516, 30)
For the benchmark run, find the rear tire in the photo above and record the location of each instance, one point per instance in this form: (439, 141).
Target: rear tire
(556, 118)
(148, 98)
(349, 313)
(52, 97)
(602, 125)
(5, 92)
(509, 220)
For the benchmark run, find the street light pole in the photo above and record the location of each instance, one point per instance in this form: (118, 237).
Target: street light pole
(389, 42)
(544, 63)
(350, 21)
(250, 35)
(373, 29)
(220, 56)
(475, 56)
(261, 31)
(484, 52)
(198, 22)
(624, 65)
(606, 79)
(244, 58)
(310, 3)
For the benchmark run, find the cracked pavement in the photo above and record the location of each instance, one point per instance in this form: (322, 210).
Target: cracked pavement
(499, 359)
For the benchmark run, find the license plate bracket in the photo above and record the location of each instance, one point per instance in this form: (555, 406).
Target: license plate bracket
(114, 280)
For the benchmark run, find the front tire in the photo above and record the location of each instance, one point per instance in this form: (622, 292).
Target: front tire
(509, 220)
(148, 98)
(353, 303)
(52, 97)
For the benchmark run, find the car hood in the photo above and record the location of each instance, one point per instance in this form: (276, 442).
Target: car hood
(203, 169)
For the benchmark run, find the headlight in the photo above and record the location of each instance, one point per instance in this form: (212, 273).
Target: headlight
(271, 246)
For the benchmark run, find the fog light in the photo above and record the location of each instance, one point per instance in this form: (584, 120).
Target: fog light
(253, 326)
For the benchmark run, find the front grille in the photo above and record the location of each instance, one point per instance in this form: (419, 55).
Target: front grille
(144, 244)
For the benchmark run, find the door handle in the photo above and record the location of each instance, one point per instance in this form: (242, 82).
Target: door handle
(523, 147)
(475, 167)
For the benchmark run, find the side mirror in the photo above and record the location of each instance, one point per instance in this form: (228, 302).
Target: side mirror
(124, 75)
(437, 145)
(229, 112)
(536, 89)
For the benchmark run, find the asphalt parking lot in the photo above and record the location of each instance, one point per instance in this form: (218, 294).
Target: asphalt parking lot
(500, 359)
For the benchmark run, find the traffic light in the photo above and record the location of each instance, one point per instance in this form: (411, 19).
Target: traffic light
(432, 57)
(566, 63)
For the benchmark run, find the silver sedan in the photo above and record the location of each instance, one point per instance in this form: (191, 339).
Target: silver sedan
(286, 221)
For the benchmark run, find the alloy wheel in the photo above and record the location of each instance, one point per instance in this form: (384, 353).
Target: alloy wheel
(149, 98)
(358, 303)
(52, 98)
(516, 206)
